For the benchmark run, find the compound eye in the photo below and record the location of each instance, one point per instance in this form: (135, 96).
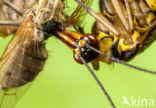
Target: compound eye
(85, 52)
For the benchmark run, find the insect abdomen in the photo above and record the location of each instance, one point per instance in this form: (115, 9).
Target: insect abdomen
(21, 69)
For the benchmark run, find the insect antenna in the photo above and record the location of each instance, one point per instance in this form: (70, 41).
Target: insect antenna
(12, 6)
(120, 61)
(97, 80)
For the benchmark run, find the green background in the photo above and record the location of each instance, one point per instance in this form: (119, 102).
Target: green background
(66, 84)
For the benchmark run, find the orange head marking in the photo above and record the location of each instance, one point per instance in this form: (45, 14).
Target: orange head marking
(82, 50)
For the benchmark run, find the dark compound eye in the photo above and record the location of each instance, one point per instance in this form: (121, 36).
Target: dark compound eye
(84, 51)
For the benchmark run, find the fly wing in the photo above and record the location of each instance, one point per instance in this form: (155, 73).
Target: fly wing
(13, 69)
(25, 55)
(9, 98)
(151, 39)
(20, 38)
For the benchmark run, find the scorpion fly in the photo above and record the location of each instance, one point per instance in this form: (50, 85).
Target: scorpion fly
(123, 28)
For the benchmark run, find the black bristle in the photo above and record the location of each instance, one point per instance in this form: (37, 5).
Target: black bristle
(50, 28)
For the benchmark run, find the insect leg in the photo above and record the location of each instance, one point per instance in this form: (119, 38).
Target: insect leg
(137, 13)
(149, 15)
(12, 6)
(146, 34)
(10, 17)
(101, 19)
(129, 15)
(147, 37)
(117, 6)
(9, 23)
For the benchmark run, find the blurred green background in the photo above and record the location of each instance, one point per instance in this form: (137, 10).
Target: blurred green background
(66, 84)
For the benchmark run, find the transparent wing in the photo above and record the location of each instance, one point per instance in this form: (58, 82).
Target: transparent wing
(10, 96)
(22, 36)
(150, 39)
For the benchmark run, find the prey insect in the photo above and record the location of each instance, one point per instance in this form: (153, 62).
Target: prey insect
(31, 42)
(25, 54)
